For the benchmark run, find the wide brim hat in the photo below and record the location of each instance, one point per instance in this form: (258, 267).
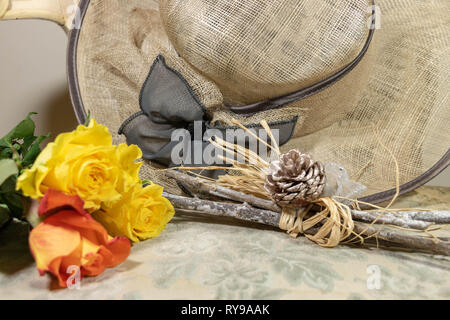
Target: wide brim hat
(361, 83)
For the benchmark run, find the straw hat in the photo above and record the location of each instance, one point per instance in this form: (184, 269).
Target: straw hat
(341, 83)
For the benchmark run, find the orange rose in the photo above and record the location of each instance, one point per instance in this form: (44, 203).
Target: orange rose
(70, 237)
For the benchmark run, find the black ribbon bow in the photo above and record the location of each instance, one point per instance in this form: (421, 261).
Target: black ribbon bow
(169, 103)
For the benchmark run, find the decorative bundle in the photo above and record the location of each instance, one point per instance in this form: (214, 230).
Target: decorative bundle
(303, 196)
(81, 196)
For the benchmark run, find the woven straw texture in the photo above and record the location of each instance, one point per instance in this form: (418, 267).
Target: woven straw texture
(254, 50)
(237, 52)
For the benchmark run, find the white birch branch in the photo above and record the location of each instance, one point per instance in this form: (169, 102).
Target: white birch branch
(246, 212)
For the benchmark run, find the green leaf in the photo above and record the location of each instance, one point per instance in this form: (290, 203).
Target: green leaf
(146, 182)
(7, 168)
(12, 198)
(14, 201)
(9, 185)
(88, 119)
(6, 153)
(17, 147)
(24, 129)
(27, 142)
(4, 214)
(33, 151)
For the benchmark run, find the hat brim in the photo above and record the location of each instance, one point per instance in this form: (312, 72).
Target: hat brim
(441, 158)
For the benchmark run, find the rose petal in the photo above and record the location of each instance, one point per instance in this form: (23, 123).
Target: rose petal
(60, 266)
(49, 241)
(70, 238)
(55, 200)
(87, 227)
(108, 256)
(94, 237)
(95, 265)
(120, 249)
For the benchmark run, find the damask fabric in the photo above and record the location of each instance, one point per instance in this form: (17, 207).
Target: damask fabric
(201, 259)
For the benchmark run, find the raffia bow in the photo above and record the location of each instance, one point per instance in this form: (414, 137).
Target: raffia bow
(334, 220)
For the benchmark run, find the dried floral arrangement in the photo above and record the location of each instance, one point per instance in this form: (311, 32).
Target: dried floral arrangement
(302, 196)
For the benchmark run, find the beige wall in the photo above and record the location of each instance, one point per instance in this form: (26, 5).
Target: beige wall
(33, 78)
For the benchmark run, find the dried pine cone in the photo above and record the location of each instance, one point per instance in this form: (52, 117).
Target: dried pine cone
(295, 179)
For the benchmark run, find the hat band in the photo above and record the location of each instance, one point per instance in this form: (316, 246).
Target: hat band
(311, 90)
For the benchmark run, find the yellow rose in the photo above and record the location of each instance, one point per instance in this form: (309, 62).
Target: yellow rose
(141, 214)
(84, 163)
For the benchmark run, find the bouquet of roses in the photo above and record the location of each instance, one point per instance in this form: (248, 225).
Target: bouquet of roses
(92, 202)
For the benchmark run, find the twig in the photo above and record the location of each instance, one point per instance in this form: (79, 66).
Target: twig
(385, 218)
(203, 186)
(436, 246)
(435, 216)
(248, 213)
(239, 211)
(401, 219)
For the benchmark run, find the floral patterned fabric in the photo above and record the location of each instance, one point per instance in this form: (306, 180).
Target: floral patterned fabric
(196, 258)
